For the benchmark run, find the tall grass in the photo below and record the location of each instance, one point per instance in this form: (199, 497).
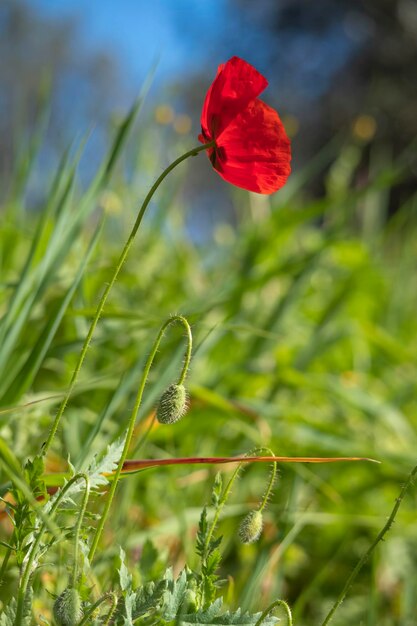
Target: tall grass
(304, 322)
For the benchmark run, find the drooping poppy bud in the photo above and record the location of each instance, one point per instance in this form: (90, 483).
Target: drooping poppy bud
(252, 149)
(172, 404)
(251, 527)
(67, 608)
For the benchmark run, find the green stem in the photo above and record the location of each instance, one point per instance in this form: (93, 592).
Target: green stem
(271, 607)
(220, 506)
(229, 486)
(7, 557)
(109, 287)
(187, 357)
(34, 547)
(108, 596)
(372, 547)
(112, 608)
(25, 489)
(78, 530)
(272, 479)
(132, 420)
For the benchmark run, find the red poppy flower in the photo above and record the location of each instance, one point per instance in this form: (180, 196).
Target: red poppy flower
(252, 149)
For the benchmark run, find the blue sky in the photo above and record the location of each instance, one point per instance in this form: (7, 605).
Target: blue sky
(187, 36)
(179, 33)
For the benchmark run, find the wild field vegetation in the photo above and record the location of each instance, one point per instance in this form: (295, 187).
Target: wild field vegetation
(303, 318)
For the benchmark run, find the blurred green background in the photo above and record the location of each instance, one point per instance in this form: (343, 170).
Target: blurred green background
(303, 305)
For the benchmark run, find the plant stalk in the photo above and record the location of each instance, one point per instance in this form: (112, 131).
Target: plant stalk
(34, 547)
(371, 548)
(132, 420)
(109, 287)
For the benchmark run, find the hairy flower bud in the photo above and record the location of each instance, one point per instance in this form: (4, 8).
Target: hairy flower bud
(67, 608)
(172, 404)
(251, 527)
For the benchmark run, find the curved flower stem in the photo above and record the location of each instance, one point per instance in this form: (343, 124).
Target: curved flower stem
(187, 357)
(109, 287)
(272, 478)
(113, 606)
(35, 545)
(78, 529)
(132, 420)
(271, 607)
(108, 596)
(371, 548)
(229, 486)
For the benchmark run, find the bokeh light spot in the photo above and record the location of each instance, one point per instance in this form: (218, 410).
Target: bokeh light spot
(182, 124)
(364, 127)
(164, 114)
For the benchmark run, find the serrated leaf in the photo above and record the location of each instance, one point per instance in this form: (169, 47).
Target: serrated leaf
(215, 543)
(34, 471)
(202, 533)
(129, 597)
(217, 489)
(106, 465)
(6, 619)
(129, 602)
(174, 596)
(212, 562)
(149, 598)
(8, 616)
(125, 578)
(212, 617)
(173, 603)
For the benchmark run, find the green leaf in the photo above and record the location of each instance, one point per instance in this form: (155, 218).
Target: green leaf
(106, 465)
(150, 563)
(9, 458)
(34, 471)
(24, 378)
(125, 578)
(174, 596)
(213, 560)
(205, 618)
(202, 533)
(217, 489)
(8, 616)
(149, 598)
(212, 616)
(129, 602)
(129, 597)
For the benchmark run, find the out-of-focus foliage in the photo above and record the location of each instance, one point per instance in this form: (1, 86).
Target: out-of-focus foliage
(303, 311)
(334, 68)
(305, 341)
(356, 56)
(44, 61)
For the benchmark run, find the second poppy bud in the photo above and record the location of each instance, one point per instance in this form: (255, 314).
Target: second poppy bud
(172, 404)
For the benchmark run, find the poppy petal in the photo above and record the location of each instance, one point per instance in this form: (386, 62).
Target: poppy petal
(253, 152)
(236, 84)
